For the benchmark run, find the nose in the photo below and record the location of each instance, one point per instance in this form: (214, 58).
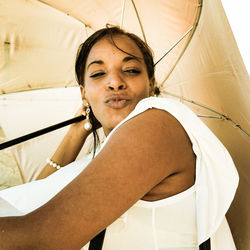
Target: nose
(116, 83)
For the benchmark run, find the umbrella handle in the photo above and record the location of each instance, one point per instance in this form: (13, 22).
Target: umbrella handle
(40, 132)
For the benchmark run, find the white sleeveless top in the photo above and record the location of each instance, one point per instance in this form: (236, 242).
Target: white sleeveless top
(165, 224)
(182, 221)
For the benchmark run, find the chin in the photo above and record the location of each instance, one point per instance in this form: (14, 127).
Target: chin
(115, 121)
(112, 119)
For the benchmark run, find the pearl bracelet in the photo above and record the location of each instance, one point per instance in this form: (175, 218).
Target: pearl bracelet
(53, 164)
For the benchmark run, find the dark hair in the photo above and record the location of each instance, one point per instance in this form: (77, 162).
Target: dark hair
(83, 52)
(110, 32)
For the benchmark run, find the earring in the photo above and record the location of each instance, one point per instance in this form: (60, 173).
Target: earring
(87, 125)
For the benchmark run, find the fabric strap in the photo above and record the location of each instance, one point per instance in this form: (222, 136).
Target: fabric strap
(97, 242)
(205, 245)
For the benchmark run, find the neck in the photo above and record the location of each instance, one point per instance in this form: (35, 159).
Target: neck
(107, 131)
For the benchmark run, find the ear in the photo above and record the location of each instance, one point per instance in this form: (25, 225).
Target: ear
(85, 101)
(152, 84)
(82, 89)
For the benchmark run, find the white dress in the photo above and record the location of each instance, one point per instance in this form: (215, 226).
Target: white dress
(182, 221)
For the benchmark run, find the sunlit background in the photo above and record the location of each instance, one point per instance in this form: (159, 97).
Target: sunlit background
(238, 14)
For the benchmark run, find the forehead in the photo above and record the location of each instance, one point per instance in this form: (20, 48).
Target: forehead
(105, 46)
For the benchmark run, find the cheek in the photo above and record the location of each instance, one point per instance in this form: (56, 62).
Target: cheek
(144, 89)
(94, 103)
(91, 95)
(94, 99)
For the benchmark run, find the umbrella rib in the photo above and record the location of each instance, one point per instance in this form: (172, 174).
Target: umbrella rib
(221, 116)
(139, 20)
(196, 21)
(86, 31)
(122, 14)
(211, 116)
(175, 44)
(76, 18)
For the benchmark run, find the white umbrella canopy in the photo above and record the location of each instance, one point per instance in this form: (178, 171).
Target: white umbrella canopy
(40, 41)
(41, 38)
(38, 44)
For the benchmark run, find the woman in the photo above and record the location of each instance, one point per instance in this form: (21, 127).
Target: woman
(156, 182)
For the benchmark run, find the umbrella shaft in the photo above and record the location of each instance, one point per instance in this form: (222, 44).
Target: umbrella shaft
(40, 132)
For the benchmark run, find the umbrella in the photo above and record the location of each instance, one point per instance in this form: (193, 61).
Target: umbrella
(198, 63)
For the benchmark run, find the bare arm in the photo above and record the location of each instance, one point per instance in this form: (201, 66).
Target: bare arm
(68, 149)
(138, 156)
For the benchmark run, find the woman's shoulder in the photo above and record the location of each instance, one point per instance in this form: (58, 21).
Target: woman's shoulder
(178, 110)
(153, 105)
(161, 103)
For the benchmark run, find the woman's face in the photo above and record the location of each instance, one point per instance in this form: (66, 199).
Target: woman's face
(115, 81)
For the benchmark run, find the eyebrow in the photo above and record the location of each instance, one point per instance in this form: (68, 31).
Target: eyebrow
(128, 58)
(125, 59)
(95, 62)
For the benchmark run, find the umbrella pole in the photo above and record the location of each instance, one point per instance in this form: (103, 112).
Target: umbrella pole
(40, 132)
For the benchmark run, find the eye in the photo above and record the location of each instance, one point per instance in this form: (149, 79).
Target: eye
(132, 71)
(97, 74)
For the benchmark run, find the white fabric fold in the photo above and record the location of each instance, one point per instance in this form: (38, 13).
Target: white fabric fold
(216, 176)
(215, 185)
(25, 198)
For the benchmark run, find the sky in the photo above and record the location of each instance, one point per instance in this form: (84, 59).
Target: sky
(238, 14)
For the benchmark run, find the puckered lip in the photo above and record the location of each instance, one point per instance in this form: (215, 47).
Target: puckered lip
(117, 101)
(116, 98)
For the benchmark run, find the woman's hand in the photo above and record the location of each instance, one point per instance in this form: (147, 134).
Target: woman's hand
(82, 111)
(70, 146)
(80, 125)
